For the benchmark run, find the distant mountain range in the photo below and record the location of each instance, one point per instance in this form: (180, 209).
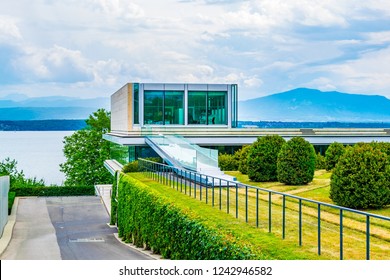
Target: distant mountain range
(298, 105)
(310, 105)
(20, 107)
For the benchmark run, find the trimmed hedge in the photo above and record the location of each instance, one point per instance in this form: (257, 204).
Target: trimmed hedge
(361, 178)
(11, 200)
(130, 167)
(320, 162)
(262, 158)
(114, 203)
(53, 191)
(296, 162)
(149, 220)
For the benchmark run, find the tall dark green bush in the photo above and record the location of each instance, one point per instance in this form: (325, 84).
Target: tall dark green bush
(332, 155)
(227, 162)
(114, 203)
(243, 159)
(262, 158)
(361, 179)
(296, 162)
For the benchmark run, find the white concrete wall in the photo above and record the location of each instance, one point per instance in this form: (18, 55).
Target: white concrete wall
(120, 119)
(4, 189)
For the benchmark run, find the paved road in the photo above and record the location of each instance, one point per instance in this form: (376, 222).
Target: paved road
(69, 228)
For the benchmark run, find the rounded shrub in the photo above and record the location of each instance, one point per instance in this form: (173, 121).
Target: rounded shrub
(130, 167)
(361, 179)
(332, 155)
(262, 158)
(296, 162)
(227, 162)
(243, 162)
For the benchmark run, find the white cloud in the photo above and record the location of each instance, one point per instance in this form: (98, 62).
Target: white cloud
(9, 28)
(121, 9)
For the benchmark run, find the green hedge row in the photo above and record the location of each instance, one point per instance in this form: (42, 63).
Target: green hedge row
(11, 199)
(151, 221)
(53, 191)
(114, 203)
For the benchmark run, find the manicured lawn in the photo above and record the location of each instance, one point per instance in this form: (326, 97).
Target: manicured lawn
(252, 207)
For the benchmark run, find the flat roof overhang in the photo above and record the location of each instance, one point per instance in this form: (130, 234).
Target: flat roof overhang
(244, 136)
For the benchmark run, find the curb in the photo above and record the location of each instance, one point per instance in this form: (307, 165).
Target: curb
(9, 227)
(141, 250)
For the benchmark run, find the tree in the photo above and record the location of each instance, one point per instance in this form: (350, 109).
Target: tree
(17, 178)
(361, 179)
(262, 158)
(332, 155)
(320, 161)
(85, 152)
(296, 162)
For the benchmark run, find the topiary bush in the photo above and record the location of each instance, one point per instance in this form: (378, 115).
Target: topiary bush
(227, 162)
(361, 179)
(130, 167)
(262, 158)
(320, 162)
(243, 159)
(332, 154)
(296, 162)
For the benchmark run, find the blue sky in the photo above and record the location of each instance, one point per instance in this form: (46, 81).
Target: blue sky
(90, 48)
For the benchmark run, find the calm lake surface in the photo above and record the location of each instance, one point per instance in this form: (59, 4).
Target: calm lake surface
(38, 153)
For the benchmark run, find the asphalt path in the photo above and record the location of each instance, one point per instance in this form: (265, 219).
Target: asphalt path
(68, 228)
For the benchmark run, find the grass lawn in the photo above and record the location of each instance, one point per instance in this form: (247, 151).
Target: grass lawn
(252, 207)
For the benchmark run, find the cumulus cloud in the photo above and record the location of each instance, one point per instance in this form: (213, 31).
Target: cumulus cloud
(9, 29)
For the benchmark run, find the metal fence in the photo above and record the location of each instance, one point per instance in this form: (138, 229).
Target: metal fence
(359, 234)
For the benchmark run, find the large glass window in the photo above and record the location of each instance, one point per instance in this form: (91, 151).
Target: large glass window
(153, 107)
(173, 107)
(197, 107)
(216, 107)
(207, 108)
(164, 107)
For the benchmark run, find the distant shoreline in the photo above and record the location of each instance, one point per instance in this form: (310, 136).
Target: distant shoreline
(73, 125)
(42, 125)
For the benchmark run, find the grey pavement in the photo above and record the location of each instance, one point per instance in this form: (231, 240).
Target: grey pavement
(71, 228)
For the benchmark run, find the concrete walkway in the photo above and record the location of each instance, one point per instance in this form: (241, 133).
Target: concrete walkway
(48, 228)
(29, 241)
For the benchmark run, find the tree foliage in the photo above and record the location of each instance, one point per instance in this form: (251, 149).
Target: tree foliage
(332, 155)
(227, 162)
(296, 162)
(361, 179)
(262, 158)
(320, 162)
(243, 159)
(18, 178)
(85, 152)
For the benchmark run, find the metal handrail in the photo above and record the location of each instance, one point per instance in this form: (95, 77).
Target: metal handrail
(209, 181)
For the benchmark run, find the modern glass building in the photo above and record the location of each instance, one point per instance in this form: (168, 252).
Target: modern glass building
(140, 105)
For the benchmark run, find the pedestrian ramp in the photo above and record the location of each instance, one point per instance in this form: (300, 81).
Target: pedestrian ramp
(180, 153)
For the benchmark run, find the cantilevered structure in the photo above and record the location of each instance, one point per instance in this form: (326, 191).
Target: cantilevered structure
(150, 119)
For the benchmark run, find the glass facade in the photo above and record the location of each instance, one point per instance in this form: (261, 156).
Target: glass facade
(207, 107)
(234, 91)
(163, 107)
(136, 103)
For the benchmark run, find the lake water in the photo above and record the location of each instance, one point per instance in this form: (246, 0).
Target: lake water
(38, 153)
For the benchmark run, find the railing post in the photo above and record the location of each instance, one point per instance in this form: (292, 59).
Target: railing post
(300, 222)
(212, 194)
(269, 212)
(227, 197)
(220, 194)
(284, 218)
(367, 237)
(236, 201)
(341, 234)
(246, 204)
(319, 229)
(257, 207)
